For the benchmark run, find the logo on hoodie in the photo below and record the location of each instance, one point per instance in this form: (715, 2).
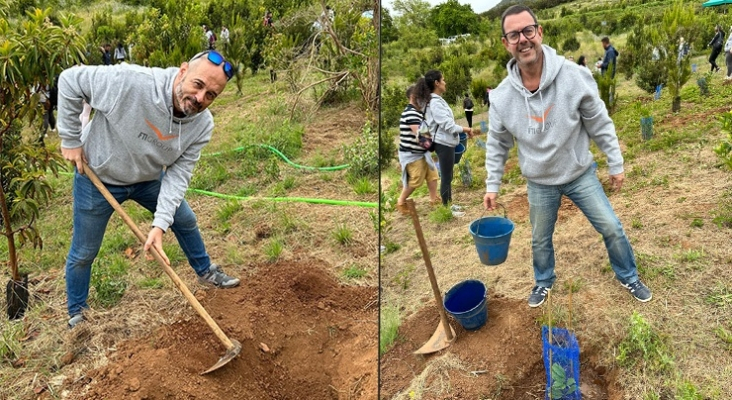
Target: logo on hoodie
(543, 120)
(161, 138)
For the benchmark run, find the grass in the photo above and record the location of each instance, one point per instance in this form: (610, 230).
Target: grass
(108, 279)
(363, 186)
(354, 272)
(644, 346)
(343, 235)
(441, 215)
(273, 249)
(388, 328)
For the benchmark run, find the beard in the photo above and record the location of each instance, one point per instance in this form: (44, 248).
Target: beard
(188, 105)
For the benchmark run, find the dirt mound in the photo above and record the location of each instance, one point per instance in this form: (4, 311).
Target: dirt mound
(500, 360)
(303, 336)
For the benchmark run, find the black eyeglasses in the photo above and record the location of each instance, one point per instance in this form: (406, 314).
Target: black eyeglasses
(217, 59)
(529, 33)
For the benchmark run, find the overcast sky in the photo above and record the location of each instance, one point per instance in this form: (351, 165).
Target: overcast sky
(479, 6)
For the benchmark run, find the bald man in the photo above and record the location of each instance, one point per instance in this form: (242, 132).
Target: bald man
(148, 130)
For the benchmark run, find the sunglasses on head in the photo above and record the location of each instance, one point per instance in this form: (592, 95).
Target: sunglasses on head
(217, 59)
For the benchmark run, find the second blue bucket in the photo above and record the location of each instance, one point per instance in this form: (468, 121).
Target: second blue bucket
(459, 150)
(492, 235)
(467, 302)
(464, 139)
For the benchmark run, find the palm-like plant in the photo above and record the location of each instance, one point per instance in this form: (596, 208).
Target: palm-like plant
(32, 52)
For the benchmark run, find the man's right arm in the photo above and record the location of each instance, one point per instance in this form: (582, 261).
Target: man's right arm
(498, 143)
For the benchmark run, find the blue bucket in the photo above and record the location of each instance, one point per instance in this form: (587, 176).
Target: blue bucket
(492, 235)
(467, 302)
(464, 139)
(459, 150)
(483, 127)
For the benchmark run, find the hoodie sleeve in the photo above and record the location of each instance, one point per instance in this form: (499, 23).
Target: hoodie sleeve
(599, 125)
(498, 143)
(99, 86)
(177, 178)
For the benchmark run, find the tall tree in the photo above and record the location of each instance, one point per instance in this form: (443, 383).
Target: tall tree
(411, 14)
(34, 50)
(451, 18)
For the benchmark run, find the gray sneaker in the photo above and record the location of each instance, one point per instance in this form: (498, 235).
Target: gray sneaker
(538, 295)
(216, 277)
(639, 291)
(75, 320)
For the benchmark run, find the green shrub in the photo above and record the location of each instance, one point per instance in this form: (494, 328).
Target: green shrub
(363, 154)
(724, 148)
(571, 44)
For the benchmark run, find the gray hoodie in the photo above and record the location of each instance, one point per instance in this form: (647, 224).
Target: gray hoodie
(439, 117)
(133, 136)
(552, 126)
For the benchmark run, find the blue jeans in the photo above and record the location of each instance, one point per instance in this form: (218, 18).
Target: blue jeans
(586, 192)
(91, 215)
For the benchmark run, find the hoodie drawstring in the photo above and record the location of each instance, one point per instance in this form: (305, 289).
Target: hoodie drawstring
(542, 107)
(170, 127)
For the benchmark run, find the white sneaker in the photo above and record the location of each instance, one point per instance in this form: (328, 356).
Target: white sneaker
(458, 214)
(456, 207)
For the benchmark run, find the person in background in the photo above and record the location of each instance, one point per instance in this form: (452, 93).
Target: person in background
(549, 107)
(683, 49)
(611, 57)
(728, 55)
(268, 22)
(468, 108)
(716, 44)
(106, 54)
(486, 97)
(416, 161)
(582, 61)
(445, 133)
(149, 128)
(225, 35)
(119, 53)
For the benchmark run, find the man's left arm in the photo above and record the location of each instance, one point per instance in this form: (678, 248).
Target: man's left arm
(175, 182)
(600, 127)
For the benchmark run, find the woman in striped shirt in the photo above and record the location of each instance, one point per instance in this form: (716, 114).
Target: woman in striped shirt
(415, 159)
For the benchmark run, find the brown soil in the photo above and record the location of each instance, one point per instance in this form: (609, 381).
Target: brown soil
(502, 359)
(303, 336)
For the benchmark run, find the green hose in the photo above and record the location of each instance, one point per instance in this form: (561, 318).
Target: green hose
(279, 153)
(294, 199)
(277, 199)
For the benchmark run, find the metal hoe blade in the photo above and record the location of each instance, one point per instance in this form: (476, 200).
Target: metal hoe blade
(438, 341)
(230, 354)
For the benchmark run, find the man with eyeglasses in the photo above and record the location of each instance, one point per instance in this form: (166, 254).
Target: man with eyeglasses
(147, 133)
(551, 108)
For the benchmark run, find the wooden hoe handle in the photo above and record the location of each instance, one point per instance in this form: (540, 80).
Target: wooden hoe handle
(168, 270)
